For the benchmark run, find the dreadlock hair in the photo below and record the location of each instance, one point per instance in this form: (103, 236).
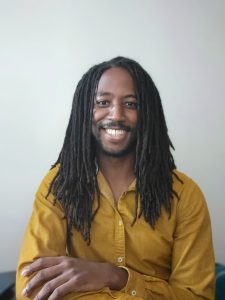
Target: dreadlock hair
(75, 185)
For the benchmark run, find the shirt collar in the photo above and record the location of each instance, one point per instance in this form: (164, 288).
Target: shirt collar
(105, 188)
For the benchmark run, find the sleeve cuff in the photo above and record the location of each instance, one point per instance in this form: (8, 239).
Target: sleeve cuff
(135, 284)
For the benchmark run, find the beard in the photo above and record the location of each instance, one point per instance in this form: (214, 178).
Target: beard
(128, 148)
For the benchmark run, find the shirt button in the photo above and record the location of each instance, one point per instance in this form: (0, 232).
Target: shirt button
(120, 259)
(120, 222)
(133, 293)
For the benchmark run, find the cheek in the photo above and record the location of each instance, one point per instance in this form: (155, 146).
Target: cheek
(132, 117)
(99, 114)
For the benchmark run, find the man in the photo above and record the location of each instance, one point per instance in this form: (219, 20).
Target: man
(114, 219)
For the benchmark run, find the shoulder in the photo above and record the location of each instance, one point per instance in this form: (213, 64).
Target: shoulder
(44, 200)
(48, 178)
(183, 183)
(43, 189)
(50, 175)
(190, 195)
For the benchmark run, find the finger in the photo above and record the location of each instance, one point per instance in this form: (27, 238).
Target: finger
(41, 263)
(62, 290)
(41, 278)
(51, 286)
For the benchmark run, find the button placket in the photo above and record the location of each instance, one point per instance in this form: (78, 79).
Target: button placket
(120, 259)
(119, 240)
(120, 222)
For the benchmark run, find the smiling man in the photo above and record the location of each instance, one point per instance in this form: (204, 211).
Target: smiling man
(115, 114)
(114, 219)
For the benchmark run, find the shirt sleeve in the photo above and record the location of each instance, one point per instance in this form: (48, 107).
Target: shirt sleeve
(193, 265)
(45, 234)
(192, 270)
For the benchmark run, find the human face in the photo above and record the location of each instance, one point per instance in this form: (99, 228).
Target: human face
(115, 113)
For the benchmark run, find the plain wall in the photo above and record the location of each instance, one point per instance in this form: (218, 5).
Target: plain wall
(46, 46)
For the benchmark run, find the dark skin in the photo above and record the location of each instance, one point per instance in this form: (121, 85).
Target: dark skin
(57, 276)
(61, 275)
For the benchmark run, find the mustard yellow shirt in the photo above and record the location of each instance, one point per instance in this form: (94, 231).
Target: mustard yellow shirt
(173, 261)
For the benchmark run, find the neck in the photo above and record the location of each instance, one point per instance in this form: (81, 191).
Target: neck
(121, 166)
(117, 171)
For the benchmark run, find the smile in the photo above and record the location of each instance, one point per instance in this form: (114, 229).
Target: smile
(115, 132)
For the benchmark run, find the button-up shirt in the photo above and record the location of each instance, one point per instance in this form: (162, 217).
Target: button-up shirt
(175, 260)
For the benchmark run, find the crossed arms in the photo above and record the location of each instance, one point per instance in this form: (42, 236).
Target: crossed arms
(61, 275)
(50, 273)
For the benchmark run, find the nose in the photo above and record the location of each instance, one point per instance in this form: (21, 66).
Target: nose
(117, 112)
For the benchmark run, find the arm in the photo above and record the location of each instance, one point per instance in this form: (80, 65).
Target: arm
(44, 250)
(192, 270)
(192, 249)
(45, 234)
(59, 276)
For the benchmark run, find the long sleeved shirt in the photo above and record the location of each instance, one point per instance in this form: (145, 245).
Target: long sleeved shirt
(175, 260)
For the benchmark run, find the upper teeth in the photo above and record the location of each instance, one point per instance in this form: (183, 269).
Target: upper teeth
(114, 131)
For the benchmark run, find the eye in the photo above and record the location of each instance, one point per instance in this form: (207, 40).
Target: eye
(102, 102)
(131, 104)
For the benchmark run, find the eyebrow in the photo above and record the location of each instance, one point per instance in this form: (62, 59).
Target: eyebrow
(110, 94)
(103, 94)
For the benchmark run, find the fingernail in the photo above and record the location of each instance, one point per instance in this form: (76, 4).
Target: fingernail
(24, 292)
(25, 272)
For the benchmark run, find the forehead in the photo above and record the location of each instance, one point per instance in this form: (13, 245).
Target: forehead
(116, 78)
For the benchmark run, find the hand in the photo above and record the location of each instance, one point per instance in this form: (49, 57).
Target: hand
(58, 276)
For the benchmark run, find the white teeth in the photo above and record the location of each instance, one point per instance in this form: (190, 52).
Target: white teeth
(115, 132)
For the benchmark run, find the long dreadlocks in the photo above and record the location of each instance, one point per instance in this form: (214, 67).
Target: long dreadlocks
(75, 185)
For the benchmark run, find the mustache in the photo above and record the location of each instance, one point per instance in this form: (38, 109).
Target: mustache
(115, 124)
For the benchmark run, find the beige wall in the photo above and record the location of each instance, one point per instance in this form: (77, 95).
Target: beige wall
(45, 48)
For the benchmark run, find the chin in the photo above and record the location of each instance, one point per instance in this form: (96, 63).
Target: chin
(118, 153)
